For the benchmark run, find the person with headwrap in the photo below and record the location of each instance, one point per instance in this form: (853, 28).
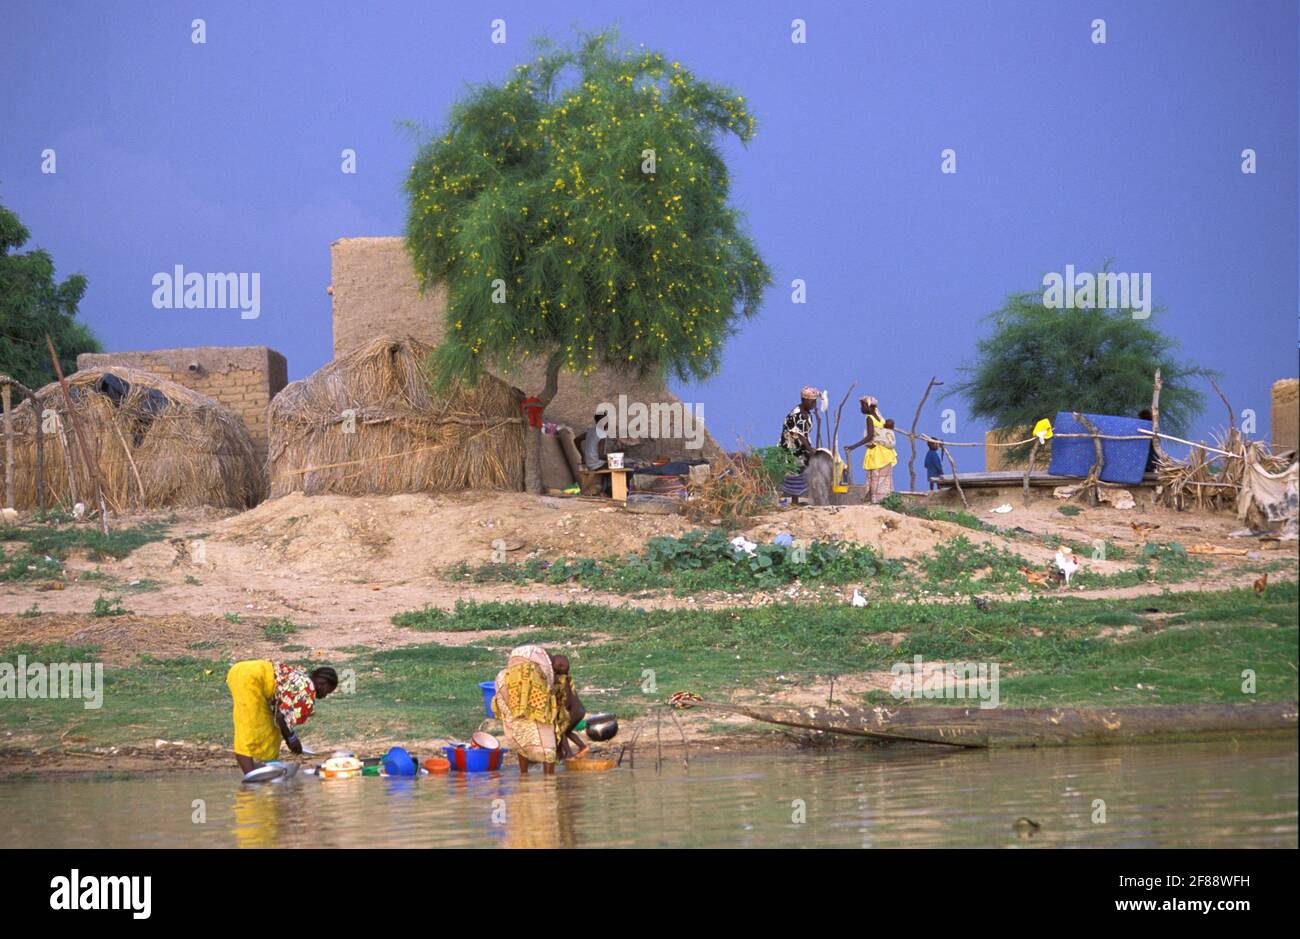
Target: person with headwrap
(796, 437)
(526, 704)
(880, 457)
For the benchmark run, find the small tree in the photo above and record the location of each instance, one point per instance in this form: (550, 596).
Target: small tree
(578, 214)
(32, 304)
(1038, 361)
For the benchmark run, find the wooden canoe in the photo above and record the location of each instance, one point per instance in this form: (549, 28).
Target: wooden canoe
(1030, 727)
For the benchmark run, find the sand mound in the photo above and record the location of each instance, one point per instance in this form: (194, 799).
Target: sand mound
(413, 535)
(410, 536)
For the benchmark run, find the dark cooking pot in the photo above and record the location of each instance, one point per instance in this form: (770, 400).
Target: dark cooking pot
(601, 726)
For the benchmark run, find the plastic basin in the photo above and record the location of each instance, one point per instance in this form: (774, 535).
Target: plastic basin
(473, 759)
(489, 688)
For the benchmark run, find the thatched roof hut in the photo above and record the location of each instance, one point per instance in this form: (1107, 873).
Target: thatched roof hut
(370, 422)
(156, 444)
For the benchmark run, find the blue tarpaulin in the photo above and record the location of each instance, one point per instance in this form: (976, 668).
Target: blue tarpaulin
(1124, 460)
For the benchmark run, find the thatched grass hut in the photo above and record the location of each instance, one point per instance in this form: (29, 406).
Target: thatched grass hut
(154, 443)
(370, 422)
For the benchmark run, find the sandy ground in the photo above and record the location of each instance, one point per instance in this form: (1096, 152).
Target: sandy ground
(346, 565)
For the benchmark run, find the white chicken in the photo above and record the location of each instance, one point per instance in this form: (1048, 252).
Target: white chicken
(1066, 563)
(858, 598)
(79, 511)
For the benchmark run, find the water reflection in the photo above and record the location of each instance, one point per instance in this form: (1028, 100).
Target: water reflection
(1207, 795)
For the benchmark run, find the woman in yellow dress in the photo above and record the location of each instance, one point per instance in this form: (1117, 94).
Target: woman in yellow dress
(881, 457)
(270, 700)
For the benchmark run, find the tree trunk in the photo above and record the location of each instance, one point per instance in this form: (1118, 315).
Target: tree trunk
(911, 460)
(533, 435)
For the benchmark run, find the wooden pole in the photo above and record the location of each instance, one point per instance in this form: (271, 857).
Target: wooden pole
(5, 396)
(911, 461)
(1029, 469)
(1232, 418)
(37, 411)
(955, 481)
(1094, 474)
(139, 485)
(76, 432)
(1155, 416)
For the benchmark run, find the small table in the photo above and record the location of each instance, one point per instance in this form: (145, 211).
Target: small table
(617, 482)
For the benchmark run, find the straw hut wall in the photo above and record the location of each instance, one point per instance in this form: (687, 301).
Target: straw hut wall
(154, 443)
(370, 422)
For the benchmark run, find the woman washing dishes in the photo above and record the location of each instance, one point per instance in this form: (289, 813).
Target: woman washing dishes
(270, 700)
(537, 704)
(880, 456)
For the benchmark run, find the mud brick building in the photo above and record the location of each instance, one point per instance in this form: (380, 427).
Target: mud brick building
(1285, 418)
(243, 378)
(376, 293)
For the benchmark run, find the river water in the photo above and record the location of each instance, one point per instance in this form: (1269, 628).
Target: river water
(1197, 795)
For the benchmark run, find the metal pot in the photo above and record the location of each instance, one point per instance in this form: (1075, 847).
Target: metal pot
(601, 726)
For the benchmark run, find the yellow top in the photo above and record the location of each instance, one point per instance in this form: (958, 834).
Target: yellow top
(878, 456)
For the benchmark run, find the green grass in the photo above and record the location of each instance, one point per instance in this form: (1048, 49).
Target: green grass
(27, 565)
(1052, 650)
(57, 542)
(702, 562)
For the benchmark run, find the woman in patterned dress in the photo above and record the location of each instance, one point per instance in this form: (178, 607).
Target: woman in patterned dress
(525, 702)
(270, 700)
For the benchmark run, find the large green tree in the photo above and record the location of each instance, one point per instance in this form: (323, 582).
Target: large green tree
(33, 303)
(578, 215)
(1037, 361)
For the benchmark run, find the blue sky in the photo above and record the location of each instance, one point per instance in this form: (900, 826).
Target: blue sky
(225, 157)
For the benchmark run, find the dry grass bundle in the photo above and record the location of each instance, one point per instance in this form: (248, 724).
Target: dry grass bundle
(738, 490)
(1207, 480)
(159, 445)
(370, 423)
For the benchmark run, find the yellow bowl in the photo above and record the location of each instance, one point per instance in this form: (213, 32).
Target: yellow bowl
(588, 766)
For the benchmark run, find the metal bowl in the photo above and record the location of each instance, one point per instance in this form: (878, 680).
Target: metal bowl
(484, 740)
(601, 726)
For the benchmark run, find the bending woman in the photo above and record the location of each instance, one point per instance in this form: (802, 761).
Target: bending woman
(270, 700)
(526, 703)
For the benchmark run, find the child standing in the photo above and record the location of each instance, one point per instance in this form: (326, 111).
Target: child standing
(933, 465)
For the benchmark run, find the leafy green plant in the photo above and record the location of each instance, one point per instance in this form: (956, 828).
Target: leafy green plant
(109, 606)
(1069, 510)
(778, 463)
(279, 628)
(697, 561)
